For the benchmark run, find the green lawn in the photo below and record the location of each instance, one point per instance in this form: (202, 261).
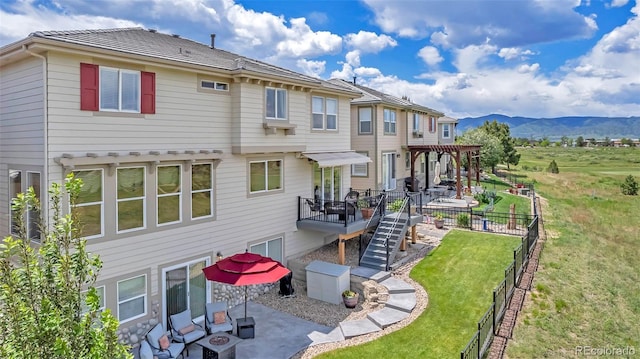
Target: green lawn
(587, 288)
(459, 277)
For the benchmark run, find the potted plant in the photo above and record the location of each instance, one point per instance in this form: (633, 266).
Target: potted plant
(350, 298)
(365, 208)
(438, 220)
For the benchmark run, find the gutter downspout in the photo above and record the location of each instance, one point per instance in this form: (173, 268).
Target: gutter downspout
(44, 196)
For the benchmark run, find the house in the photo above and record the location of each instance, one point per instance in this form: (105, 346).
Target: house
(382, 126)
(187, 153)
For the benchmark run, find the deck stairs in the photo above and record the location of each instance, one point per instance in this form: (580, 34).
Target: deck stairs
(390, 231)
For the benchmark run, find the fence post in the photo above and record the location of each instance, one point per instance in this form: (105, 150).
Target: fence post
(470, 218)
(494, 311)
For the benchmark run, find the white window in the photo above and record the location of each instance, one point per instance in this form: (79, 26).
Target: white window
(89, 206)
(214, 85)
(446, 130)
(201, 190)
(389, 121)
(265, 176)
(364, 120)
(33, 214)
(324, 117)
(131, 198)
(360, 169)
(432, 124)
(416, 122)
(407, 160)
(119, 90)
(169, 194)
(132, 298)
(271, 248)
(100, 292)
(15, 187)
(276, 103)
(389, 171)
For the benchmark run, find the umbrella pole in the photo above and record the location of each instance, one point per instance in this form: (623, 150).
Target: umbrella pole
(245, 301)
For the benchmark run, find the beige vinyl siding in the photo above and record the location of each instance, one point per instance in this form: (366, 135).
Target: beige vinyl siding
(364, 143)
(21, 126)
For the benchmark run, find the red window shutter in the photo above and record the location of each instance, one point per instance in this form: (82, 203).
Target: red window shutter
(89, 85)
(147, 92)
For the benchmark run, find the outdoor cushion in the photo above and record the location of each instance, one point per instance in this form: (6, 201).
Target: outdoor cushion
(210, 310)
(181, 320)
(188, 329)
(145, 350)
(219, 317)
(154, 336)
(164, 342)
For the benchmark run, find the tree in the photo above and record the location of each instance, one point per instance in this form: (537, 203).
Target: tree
(626, 141)
(502, 131)
(629, 187)
(553, 167)
(48, 305)
(545, 142)
(580, 141)
(491, 152)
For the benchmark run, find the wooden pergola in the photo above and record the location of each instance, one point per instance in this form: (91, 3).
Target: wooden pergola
(472, 152)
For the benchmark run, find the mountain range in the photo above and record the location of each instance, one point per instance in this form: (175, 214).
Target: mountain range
(555, 128)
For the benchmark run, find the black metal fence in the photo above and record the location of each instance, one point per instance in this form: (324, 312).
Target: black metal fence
(468, 218)
(490, 322)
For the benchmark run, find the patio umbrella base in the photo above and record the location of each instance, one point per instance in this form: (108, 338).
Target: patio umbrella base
(245, 327)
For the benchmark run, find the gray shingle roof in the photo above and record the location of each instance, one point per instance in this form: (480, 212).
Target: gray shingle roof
(138, 41)
(370, 95)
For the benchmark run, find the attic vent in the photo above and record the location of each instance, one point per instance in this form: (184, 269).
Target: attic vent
(176, 36)
(153, 30)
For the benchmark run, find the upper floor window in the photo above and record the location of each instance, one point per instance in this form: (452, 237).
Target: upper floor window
(214, 85)
(89, 206)
(169, 194)
(201, 190)
(276, 104)
(100, 292)
(18, 184)
(364, 120)
(416, 122)
(325, 113)
(389, 121)
(111, 89)
(265, 176)
(131, 198)
(432, 124)
(446, 130)
(360, 169)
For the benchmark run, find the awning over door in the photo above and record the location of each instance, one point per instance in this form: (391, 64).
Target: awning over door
(341, 158)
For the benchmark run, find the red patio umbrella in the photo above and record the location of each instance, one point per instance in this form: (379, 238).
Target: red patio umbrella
(245, 269)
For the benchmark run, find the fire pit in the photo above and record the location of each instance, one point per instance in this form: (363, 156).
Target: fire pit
(218, 340)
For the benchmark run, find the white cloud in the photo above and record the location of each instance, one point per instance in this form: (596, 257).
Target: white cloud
(369, 42)
(367, 71)
(311, 68)
(528, 68)
(469, 59)
(430, 55)
(346, 73)
(353, 58)
(619, 3)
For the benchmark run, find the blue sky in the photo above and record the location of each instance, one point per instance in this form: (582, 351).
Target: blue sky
(538, 58)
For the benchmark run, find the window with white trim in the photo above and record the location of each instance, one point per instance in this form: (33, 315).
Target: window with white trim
(201, 190)
(271, 248)
(324, 113)
(119, 90)
(360, 169)
(276, 103)
(389, 121)
(265, 176)
(130, 198)
(15, 187)
(169, 194)
(432, 124)
(89, 206)
(19, 183)
(446, 130)
(364, 120)
(132, 298)
(416, 122)
(101, 306)
(407, 160)
(214, 85)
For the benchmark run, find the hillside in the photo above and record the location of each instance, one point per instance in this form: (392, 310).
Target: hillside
(554, 128)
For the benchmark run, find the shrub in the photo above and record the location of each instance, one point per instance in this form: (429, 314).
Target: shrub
(553, 167)
(629, 187)
(463, 220)
(395, 205)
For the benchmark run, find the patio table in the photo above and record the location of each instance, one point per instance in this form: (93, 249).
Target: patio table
(225, 350)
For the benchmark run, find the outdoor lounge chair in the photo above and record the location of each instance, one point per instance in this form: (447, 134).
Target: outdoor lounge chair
(185, 330)
(153, 339)
(315, 206)
(210, 324)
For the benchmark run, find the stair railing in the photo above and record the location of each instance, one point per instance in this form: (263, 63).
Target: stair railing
(379, 208)
(394, 224)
